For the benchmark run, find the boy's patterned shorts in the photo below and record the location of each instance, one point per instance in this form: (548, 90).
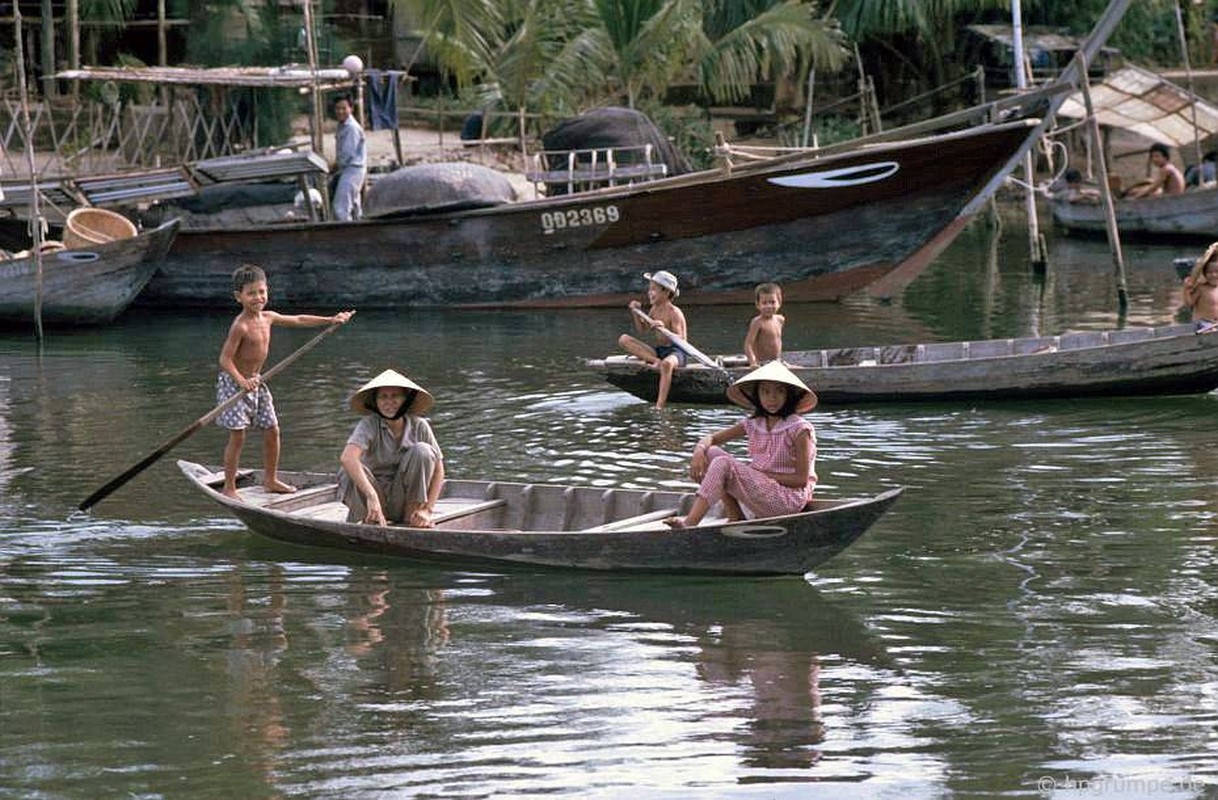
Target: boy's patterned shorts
(255, 410)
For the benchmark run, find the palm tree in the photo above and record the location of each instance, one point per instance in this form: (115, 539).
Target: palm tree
(520, 53)
(561, 53)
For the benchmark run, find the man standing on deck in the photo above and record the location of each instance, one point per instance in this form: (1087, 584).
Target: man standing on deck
(350, 162)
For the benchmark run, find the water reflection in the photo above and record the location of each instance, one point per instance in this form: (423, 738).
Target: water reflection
(1042, 599)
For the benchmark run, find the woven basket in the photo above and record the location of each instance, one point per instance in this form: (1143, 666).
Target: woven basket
(89, 227)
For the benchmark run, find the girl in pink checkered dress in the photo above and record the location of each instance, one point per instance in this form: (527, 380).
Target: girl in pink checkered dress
(781, 475)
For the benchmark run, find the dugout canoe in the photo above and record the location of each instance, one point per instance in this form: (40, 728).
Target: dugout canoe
(86, 285)
(1166, 360)
(504, 524)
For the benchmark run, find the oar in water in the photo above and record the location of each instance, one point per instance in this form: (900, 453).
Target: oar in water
(680, 343)
(193, 427)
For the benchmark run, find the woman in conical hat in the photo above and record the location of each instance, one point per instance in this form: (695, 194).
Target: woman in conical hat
(392, 465)
(780, 475)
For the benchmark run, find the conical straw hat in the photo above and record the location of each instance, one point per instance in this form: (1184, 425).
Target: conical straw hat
(364, 400)
(773, 371)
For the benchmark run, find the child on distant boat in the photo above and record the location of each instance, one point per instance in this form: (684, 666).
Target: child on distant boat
(664, 356)
(241, 359)
(1201, 289)
(781, 474)
(763, 342)
(1165, 177)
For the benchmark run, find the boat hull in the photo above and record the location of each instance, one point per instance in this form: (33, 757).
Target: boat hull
(83, 286)
(1193, 214)
(544, 525)
(1137, 361)
(826, 226)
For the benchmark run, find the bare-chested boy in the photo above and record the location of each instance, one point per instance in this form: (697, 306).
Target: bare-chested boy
(241, 359)
(664, 356)
(1201, 289)
(763, 342)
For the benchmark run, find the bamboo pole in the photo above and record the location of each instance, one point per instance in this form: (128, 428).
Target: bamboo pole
(1110, 224)
(1035, 251)
(808, 104)
(72, 13)
(162, 48)
(1188, 73)
(315, 93)
(35, 211)
(48, 48)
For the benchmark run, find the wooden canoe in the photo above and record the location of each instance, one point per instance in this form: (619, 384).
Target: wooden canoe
(1171, 359)
(88, 285)
(1191, 214)
(869, 209)
(501, 524)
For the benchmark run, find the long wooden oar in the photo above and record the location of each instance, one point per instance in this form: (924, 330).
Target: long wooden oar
(193, 427)
(683, 345)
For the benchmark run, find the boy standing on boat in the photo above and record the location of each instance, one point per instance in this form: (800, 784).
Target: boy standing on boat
(241, 359)
(664, 356)
(350, 161)
(763, 342)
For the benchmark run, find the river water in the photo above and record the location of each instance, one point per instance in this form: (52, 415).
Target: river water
(1037, 616)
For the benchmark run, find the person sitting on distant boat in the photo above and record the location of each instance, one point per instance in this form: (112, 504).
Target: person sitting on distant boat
(1076, 191)
(1201, 289)
(350, 162)
(1203, 174)
(664, 356)
(763, 341)
(781, 475)
(1165, 178)
(392, 465)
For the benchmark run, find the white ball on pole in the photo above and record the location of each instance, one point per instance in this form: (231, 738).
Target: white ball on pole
(353, 64)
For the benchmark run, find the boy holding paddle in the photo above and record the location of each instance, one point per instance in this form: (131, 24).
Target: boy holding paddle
(664, 356)
(241, 360)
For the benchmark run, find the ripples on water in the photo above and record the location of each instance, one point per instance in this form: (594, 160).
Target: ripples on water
(1041, 602)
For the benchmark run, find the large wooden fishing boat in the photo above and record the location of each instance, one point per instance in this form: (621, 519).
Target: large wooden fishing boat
(500, 524)
(1172, 359)
(824, 223)
(84, 285)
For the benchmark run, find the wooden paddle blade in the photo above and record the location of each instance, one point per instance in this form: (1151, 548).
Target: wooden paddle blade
(144, 463)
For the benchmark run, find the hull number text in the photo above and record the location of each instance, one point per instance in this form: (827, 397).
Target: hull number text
(578, 218)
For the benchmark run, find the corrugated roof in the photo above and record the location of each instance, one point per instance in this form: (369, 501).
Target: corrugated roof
(1138, 100)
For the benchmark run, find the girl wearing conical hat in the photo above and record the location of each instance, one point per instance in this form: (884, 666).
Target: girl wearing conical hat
(780, 475)
(392, 466)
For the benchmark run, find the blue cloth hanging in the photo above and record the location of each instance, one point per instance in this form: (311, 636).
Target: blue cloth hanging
(383, 98)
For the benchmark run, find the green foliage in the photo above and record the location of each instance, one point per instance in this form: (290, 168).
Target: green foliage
(689, 128)
(1148, 33)
(268, 36)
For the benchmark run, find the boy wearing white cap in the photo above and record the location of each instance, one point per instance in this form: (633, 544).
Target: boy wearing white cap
(664, 356)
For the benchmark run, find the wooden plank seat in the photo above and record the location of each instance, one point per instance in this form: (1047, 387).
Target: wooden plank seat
(295, 501)
(450, 508)
(336, 511)
(635, 522)
(217, 478)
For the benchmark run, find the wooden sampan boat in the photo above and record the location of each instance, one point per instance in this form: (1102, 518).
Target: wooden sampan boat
(496, 523)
